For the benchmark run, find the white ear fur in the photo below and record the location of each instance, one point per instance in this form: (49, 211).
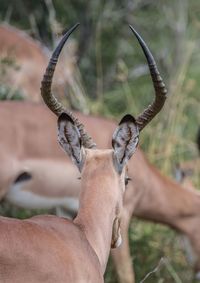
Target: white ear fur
(125, 141)
(70, 140)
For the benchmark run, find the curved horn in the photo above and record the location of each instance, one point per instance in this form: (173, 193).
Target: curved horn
(160, 90)
(50, 100)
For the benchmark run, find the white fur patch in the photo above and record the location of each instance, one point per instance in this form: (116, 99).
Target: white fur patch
(119, 242)
(17, 196)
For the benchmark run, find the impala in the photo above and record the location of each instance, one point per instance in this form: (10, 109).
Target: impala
(29, 59)
(156, 198)
(33, 164)
(55, 249)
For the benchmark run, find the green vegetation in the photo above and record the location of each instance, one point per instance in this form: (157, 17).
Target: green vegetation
(7, 64)
(116, 80)
(157, 254)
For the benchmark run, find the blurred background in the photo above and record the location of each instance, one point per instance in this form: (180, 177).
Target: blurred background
(107, 75)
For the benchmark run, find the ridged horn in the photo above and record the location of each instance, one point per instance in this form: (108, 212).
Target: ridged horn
(51, 101)
(160, 90)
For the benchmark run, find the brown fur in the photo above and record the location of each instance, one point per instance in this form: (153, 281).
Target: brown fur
(57, 250)
(30, 59)
(45, 250)
(150, 195)
(28, 56)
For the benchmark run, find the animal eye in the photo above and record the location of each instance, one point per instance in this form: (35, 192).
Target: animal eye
(127, 179)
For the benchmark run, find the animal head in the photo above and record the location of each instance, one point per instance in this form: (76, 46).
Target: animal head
(103, 167)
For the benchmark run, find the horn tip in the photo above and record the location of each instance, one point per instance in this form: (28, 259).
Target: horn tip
(65, 31)
(77, 24)
(132, 29)
(135, 33)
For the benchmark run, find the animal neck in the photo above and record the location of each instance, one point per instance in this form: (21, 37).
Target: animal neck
(164, 201)
(96, 215)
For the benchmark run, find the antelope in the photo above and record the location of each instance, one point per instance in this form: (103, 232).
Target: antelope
(81, 247)
(29, 58)
(27, 151)
(35, 194)
(28, 157)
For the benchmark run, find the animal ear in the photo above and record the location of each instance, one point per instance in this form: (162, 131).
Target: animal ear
(70, 140)
(125, 140)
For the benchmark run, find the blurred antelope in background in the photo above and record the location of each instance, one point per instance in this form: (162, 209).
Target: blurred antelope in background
(52, 249)
(26, 60)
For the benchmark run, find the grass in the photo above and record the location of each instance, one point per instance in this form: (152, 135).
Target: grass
(157, 255)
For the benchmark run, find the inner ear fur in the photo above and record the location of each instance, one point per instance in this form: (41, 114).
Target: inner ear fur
(125, 141)
(70, 140)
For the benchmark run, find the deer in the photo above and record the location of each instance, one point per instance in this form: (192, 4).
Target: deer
(156, 198)
(81, 247)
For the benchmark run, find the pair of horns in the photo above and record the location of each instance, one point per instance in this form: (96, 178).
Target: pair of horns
(142, 120)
